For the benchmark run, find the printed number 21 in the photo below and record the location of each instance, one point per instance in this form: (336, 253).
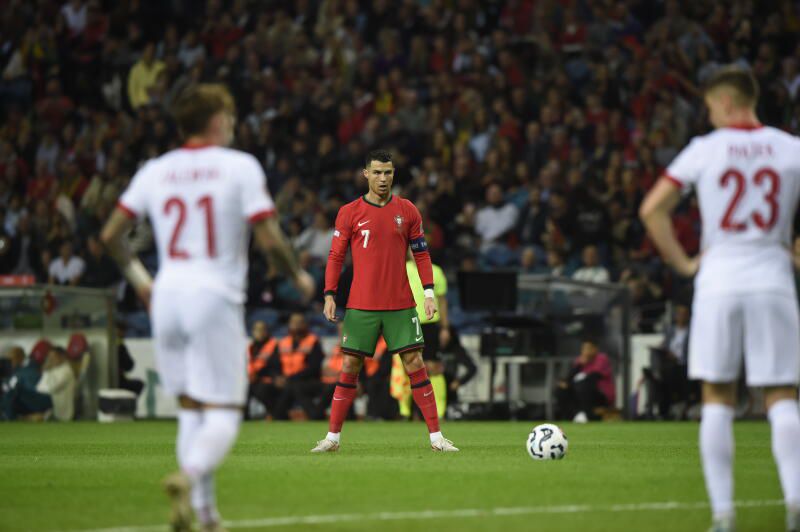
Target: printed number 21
(365, 234)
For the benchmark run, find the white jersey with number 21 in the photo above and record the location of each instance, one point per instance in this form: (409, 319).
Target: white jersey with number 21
(200, 201)
(747, 181)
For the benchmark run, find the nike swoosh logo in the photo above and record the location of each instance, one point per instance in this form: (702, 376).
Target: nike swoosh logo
(363, 223)
(419, 338)
(338, 398)
(427, 394)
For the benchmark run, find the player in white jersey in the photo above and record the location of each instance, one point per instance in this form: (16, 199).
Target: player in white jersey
(747, 180)
(201, 200)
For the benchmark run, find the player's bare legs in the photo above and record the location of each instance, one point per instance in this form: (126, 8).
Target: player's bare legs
(784, 419)
(716, 451)
(343, 396)
(422, 392)
(206, 434)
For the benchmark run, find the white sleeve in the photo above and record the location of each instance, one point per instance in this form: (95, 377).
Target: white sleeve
(133, 202)
(256, 200)
(686, 168)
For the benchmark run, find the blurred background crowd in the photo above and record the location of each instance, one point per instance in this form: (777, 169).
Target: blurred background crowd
(526, 131)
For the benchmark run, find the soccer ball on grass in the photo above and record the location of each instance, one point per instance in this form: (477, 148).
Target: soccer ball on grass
(547, 442)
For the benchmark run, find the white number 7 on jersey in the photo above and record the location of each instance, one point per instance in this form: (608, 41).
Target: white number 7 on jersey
(365, 234)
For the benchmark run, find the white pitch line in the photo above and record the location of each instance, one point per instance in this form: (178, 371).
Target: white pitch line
(449, 514)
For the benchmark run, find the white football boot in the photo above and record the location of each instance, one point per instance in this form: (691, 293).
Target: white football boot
(326, 446)
(443, 445)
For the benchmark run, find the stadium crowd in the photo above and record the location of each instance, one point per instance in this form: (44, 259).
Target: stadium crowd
(526, 131)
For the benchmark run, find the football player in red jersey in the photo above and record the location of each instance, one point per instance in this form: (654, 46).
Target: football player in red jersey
(379, 228)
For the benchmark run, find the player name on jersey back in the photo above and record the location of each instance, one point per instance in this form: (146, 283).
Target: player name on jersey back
(199, 202)
(747, 182)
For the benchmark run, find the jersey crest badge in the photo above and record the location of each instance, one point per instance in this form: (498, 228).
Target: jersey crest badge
(398, 220)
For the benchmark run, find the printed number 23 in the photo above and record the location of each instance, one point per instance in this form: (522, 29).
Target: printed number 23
(365, 234)
(739, 182)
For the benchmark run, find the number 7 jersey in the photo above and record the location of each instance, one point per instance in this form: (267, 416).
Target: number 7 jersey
(378, 237)
(200, 201)
(747, 181)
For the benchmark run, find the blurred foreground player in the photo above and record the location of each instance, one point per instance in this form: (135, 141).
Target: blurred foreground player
(747, 179)
(379, 228)
(200, 200)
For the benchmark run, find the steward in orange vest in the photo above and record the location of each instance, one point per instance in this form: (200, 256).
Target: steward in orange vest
(259, 352)
(298, 366)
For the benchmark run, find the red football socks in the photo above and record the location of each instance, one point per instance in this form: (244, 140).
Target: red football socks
(422, 391)
(343, 396)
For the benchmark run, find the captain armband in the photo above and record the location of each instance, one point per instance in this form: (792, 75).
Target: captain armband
(418, 245)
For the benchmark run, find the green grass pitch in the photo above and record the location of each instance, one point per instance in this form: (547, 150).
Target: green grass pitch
(86, 476)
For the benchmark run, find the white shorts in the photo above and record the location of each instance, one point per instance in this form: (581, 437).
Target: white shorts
(200, 345)
(764, 327)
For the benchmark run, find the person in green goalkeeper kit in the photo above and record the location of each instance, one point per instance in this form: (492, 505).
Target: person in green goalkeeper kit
(437, 333)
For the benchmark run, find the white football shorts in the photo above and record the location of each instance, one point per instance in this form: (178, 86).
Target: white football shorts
(764, 328)
(200, 345)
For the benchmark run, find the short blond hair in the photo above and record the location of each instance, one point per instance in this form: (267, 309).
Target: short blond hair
(198, 103)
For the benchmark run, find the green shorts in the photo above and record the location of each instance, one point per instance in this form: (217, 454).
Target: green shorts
(400, 328)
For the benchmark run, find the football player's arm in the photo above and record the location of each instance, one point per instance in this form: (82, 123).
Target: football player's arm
(118, 225)
(419, 248)
(336, 256)
(656, 214)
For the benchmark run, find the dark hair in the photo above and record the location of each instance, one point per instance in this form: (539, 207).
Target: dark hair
(197, 104)
(741, 80)
(382, 156)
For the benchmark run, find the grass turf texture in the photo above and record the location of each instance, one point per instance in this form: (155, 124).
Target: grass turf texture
(87, 475)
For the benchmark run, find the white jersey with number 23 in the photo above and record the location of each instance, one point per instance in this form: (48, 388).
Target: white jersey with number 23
(745, 307)
(747, 181)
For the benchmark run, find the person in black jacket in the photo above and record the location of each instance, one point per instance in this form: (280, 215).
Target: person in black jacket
(125, 363)
(453, 357)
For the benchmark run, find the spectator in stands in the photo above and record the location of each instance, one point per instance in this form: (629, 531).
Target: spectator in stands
(529, 261)
(13, 359)
(316, 239)
(494, 221)
(555, 264)
(645, 300)
(298, 366)
(588, 386)
(143, 77)
(259, 354)
(58, 382)
(591, 271)
(100, 270)
(22, 400)
(67, 268)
